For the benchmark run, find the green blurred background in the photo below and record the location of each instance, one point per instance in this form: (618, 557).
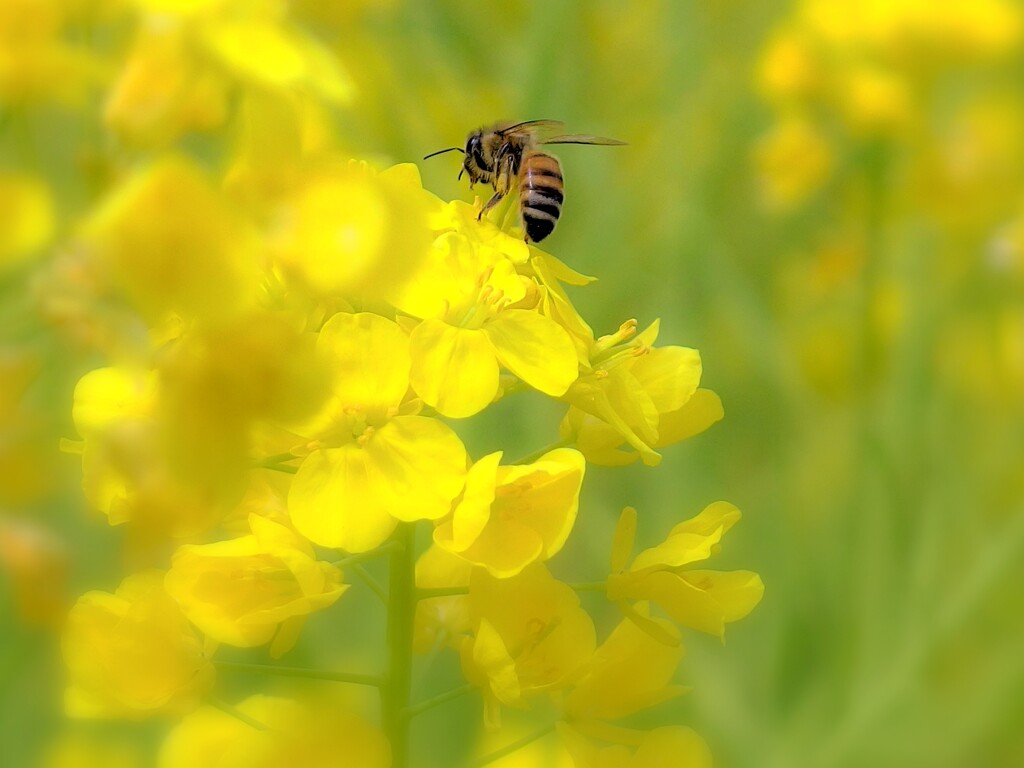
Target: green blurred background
(826, 199)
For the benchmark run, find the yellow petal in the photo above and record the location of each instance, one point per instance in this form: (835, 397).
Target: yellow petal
(737, 592)
(720, 514)
(137, 236)
(453, 369)
(534, 348)
(108, 396)
(504, 548)
(370, 357)
(493, 659)
(669, 375)
(474, 508)
(630, 672)
(423, 463)
(336, 500)
(697, 414)
(545, 495)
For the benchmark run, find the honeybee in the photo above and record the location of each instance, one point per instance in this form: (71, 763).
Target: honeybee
(507, 155)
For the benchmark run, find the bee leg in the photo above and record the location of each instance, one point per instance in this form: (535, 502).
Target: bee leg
(490, 204)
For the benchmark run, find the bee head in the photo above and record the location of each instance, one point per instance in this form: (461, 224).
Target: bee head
(475, 163)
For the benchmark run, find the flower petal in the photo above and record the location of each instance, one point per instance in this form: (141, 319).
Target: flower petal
(370, 357)
(453, 369)
(339, 499)
(423, 463)
(534, 348)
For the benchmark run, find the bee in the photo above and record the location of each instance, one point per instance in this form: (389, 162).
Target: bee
(507, 156)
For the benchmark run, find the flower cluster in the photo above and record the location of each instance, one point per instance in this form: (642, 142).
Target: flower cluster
(292, 340)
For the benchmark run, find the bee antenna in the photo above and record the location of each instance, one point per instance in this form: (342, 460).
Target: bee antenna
(442, 151)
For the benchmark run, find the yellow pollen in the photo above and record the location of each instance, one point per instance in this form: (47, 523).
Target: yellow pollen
(364, 438)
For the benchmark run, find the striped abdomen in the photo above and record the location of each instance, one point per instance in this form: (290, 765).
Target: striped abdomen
(540, 193)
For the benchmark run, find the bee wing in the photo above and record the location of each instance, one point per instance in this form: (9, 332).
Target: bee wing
(578, 138)
(532, 126)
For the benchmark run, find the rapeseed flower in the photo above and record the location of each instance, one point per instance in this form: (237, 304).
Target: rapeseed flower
(530, 636)
(632, 392)
(372, 460)
(700, 599)
(132, 654)
(509, 517)
(252, 589)
(476, 318)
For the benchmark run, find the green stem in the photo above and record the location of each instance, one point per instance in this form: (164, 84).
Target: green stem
(532, 457)
(423, 706)
(508, 749)
(235, 712)
(371, 582)
(401, 607)
(429, 592)
(315, 674)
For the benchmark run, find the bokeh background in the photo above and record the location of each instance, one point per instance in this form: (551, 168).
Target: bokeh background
(826, 197)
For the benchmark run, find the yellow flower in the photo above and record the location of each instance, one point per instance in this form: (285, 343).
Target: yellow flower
(531, 636)
(126, 471)
(667, 747)
(346, 229)
(164, 89)
(793, 161)
(219, 381)
(373, 462)
(36, 63)
(248, 590)
(132, 653)
(702, 600)
(512, 516)
(630, 672)
(28, 217)
(301, 733)
(632, 392)
(471, 302)
(138, 237)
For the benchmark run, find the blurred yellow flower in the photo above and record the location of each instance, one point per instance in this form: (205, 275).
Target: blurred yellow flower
(126, 471)
(310, 733)
(248, 590)
(132, 654)
(36, 62)
(531, 636)
(509, 517)
(163, 90)
(373, 461)
(667, 747)
(170, 242)
(702, 600)
(347, 229)
(793, 162)
(28, 217)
